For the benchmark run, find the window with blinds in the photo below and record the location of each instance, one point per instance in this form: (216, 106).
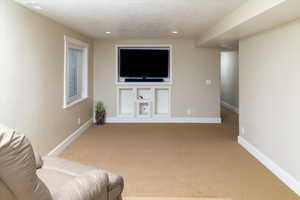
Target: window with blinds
(76, 56)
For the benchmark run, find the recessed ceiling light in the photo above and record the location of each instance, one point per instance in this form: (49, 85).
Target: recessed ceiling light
(37, 7)
(33, 5)
(107, 32)
(174, 32)
(29, 2)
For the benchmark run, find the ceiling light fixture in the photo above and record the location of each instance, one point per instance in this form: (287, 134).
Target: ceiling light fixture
(37, 7)
(175, 32)
(29, 2)
(33, 5)
(107, 32)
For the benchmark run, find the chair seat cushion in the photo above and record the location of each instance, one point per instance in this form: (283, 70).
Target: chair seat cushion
(54, 179)
(91, 185)
(72, 169)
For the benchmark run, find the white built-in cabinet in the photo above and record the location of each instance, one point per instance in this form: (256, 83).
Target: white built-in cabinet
(142, 101)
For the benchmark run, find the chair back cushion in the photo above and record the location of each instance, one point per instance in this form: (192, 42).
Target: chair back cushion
(5, 193)
(18, 167)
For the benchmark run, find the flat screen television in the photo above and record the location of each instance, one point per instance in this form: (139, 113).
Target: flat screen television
(144, 64)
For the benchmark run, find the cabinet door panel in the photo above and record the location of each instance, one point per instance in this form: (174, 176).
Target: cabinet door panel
(162, 101)
(126, 101)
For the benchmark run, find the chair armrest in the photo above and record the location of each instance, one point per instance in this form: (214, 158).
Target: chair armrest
(92, 185)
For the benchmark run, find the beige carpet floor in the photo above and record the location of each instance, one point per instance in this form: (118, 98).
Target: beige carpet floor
(179, 160)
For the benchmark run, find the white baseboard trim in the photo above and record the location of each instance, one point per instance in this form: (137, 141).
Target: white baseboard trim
(230, 107)
(213, 120)
(284, 176)
(64, 144)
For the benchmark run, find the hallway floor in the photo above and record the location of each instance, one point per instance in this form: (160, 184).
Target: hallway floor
(179, 160)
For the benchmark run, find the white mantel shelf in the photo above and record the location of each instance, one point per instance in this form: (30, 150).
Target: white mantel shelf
(144, 83)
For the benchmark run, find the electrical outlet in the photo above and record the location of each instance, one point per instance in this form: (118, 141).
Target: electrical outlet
(79, 121)
(189, 111)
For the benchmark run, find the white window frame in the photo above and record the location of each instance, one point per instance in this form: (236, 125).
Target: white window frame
(83, 92)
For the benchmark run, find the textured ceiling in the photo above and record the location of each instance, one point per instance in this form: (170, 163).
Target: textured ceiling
(127, 19)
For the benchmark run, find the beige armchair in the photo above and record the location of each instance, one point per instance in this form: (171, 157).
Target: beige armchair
(26, 176)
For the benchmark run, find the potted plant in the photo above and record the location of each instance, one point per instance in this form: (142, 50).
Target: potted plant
(100, 113)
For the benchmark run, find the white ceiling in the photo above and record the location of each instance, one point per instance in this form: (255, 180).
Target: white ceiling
(129, 19)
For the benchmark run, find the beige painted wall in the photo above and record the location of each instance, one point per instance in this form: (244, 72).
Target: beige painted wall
(230, 77)
(31, 77)
(191, 67)
(270, 94)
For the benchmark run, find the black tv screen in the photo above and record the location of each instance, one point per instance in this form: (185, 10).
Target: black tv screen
(144, 62)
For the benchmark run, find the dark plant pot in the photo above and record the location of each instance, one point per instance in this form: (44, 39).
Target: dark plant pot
(100, 119)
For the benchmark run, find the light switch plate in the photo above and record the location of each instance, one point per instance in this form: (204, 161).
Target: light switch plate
(189, 111)
(242, 131)
(208, 82)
